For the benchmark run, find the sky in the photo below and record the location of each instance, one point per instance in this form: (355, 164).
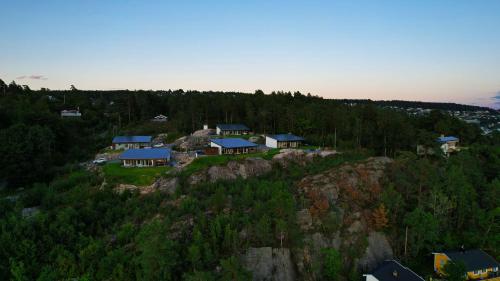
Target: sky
(428, 50)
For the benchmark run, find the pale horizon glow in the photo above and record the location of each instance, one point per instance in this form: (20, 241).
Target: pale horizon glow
(440, 51)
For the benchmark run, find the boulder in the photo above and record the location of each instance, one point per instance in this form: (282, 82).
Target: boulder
(166, 185)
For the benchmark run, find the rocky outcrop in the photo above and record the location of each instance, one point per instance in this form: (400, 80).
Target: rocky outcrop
(250, 167)
(268, 264)
(167, 185)
(377, 251)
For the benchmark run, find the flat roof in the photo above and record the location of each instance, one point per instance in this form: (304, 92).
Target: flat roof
(286, 137)
(132, 139)
(149, 153)
(233, 142)
(233, 127)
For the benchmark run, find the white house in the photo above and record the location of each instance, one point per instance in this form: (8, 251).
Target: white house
(283, 141)
(130, 142)
(392, 270)
(449, 144)
(233, 146)
(160, 118)
(231, 129)
(71, 113)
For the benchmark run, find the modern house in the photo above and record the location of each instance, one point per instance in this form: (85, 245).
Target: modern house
(129, 142)
(233, 146)
(392, 270)
(71, 113)
(231, 129)
(449, 144)
(145, 157)
(283, 141)
(479, 264)
(160, 118)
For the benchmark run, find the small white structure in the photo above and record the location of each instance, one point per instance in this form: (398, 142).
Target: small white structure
(283, 141)
(71, 113)
(130, 142)
(160, 118)
(205, 127)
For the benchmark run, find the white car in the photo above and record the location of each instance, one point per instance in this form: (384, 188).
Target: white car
(99, 161)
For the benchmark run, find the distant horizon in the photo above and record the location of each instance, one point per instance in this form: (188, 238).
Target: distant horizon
(429, 51)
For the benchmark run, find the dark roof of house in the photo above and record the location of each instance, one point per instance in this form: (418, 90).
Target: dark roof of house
(447, 139)
(131, 139)
(233, 127)
(286, 137)
(233, 142)
(149, 153)
(391, 270)
(473, 259)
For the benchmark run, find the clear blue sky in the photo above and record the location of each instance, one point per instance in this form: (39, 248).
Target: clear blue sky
(432, 50)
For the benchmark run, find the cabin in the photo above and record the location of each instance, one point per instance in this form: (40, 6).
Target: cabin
(71, 113)
(479, 264)
(392, 270)
(449, 144)
(130, 142)
(231, 129)
(151, 157)
(160, 118)
(284, 141)
(233, 146)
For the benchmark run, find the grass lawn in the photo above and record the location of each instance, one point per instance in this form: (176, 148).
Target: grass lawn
(115, 173)
(213, 160)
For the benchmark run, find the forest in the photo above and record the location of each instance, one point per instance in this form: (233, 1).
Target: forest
(84, 232)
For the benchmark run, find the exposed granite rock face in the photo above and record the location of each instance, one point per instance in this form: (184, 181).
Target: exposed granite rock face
(249, 167)
(377, 251)
(167, 185)
(268, 264)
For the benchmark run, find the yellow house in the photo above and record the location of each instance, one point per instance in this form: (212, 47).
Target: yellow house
(479, 264)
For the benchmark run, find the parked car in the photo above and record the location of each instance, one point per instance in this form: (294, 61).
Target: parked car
(99, 161)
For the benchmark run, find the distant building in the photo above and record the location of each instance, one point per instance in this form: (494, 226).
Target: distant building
(392, 270)
(479, 264)
(449, 144)
(283, 141)
(231, 129)
(130, 142)
(160, 118)
(145, 157)
(71, 113)
(233, 146)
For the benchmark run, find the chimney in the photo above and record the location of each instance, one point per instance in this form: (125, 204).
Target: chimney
(395, 274)
(462, 249)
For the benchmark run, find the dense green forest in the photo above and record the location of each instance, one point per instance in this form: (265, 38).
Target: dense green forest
(87, 232)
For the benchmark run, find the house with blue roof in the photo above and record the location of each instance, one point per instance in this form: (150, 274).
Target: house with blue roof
(233, 145)
(129, 142)
(149, 157)
(392, 270)
(284, 141)
(449, 144)
(231, 129)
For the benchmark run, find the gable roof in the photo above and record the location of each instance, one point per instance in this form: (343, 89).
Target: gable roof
(389, 268)
(444, 139)
(150, 153)
(473, 259)
(233, 127)
(286, 137)
(233, 142)
(131, 139)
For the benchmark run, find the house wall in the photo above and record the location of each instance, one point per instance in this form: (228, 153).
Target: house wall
(212, 144)
(479, 274)
(126, 146)
(288, 144)
(270, 142)
(370, 277)
(440, 260)
(144, 162)
(217, 130)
